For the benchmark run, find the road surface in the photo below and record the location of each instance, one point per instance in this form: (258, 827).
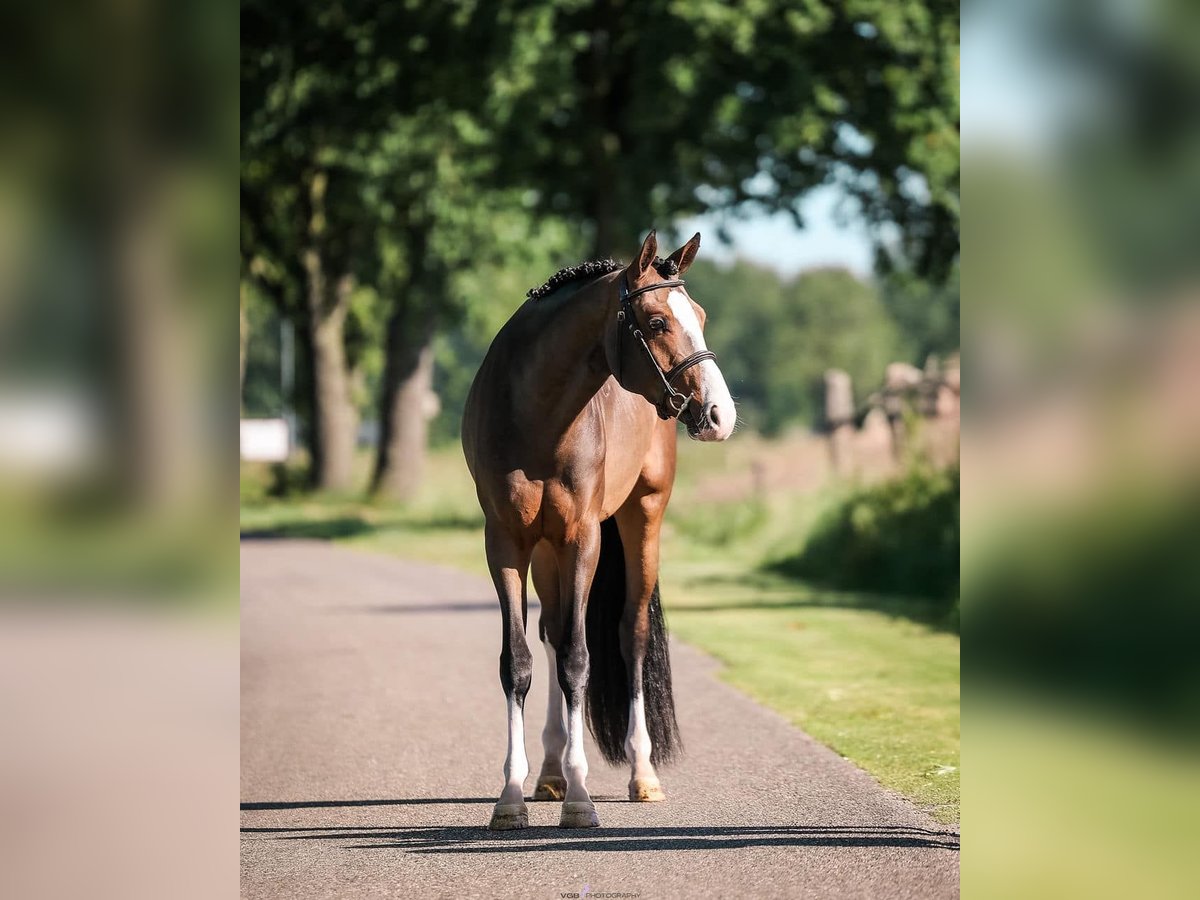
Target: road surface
(373, 738)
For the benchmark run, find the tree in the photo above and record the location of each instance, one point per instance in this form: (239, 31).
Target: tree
(303, 234)
(833, 320)
(358, 169)
(776, 338)
(625, 114)
(401, 147)
(927, 314)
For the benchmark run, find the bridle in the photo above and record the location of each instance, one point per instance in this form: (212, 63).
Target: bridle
(673, 403)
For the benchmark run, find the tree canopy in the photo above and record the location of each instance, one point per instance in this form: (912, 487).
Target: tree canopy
(408, 169)
(621, 115)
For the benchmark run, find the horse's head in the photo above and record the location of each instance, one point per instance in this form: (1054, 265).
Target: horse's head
(659, 349)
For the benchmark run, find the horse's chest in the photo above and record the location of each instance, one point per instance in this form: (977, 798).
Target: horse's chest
(589, 471)
(629, 426)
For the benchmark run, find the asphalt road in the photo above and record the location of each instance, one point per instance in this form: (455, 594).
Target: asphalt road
(373, 738)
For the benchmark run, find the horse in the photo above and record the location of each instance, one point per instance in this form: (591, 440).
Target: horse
(569, 433)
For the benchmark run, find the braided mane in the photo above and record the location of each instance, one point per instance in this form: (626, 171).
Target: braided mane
(590, 270)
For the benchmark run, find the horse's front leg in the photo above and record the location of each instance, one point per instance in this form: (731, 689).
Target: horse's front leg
(509, 563)
(577, 566)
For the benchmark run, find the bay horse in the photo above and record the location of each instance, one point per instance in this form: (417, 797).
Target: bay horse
(569, 433)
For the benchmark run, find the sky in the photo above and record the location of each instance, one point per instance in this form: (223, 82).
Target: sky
(775, 242)
(1009, 112)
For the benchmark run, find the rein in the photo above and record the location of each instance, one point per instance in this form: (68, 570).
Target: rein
(673, 403)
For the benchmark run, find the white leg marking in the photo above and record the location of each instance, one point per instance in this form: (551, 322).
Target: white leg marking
(637, 739)
(554, 735)
(516, 765)
(575, 765)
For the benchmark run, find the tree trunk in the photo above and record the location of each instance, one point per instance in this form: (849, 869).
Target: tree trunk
(608, 85)
(334, 421)
(162, 447)
(407, 405)
(243, 339)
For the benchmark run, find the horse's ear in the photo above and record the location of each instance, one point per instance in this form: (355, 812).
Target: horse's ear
(648, 252)
(684, 255)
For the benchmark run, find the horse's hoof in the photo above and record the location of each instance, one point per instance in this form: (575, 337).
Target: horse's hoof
(646, 790)
(578, 814)
(550, 787)
(509, 817)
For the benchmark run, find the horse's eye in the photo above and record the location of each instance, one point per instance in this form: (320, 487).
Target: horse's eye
(658, 324)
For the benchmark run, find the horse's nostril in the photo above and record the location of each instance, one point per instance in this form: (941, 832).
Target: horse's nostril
(713, 415)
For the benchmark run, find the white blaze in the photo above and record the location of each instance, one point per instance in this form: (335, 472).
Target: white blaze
(713, 389)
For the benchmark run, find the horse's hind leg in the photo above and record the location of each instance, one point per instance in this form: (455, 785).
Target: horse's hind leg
(576, 567)
(551, 785)
(639, 524)
(509, 564)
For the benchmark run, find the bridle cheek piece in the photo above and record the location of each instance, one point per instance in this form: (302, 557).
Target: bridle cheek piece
(673, 403)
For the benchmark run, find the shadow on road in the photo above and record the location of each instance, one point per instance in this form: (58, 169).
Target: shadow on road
(317, 529)
(544, 838)
(325, 804)
(395, 801)
(329, 526)
(466, 606)
(780, 592)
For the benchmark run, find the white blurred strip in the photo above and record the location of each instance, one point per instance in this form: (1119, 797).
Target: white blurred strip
(264, 440)
(50, 432)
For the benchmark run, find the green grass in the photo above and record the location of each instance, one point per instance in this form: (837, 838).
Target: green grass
(862, 678)
(442, 525)
(873, 677)
(1089, 803)
(77, 544)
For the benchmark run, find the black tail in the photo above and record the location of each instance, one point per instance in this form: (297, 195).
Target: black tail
(608, 683)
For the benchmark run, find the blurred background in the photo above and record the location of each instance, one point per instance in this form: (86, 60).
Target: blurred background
(118, 558)
(1083, 347)
(408, 171)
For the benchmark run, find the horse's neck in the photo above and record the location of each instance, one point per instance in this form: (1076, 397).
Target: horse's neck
(569, 366)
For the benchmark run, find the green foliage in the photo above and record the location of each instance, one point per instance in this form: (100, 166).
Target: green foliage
(722, 525)
(364, 339)
(264, 482)
(898, 537)
(926, 314)
(1097, 602)
(364, 135)
(776, 338)
(489, 292)
(447, 156)
(639, 114)
(262, 393)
